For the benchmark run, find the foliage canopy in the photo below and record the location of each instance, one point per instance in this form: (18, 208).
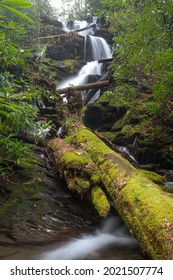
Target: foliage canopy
(144, 43)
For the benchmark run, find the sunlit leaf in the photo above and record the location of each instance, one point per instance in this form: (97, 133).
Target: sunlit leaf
(17, 13)
(4, 113)
(18, 3)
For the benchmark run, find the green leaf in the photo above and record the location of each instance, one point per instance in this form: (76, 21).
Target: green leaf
(18, 3)
(4, 113)
(17, 13)
(0, 124)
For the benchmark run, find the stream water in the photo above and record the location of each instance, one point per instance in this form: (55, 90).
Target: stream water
(112, 235)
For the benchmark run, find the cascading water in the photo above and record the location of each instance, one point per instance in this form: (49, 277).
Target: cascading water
(100, 50)
(91, 68)
(113, 233)
(80, 25)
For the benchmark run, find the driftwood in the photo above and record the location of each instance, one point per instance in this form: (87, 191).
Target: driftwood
(105, 60)
(93, 170)
(96, 85)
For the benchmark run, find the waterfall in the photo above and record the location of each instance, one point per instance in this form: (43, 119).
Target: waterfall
(100, 48)
(77, 25)
(64, 27)
(91, 68)
(112, 233)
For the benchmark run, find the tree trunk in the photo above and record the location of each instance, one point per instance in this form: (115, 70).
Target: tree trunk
(92, 168)
(69, 89)
(105, 60)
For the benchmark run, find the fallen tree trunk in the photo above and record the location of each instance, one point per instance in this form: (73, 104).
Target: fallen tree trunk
(96, 85)
(105, 60)
(89, 167)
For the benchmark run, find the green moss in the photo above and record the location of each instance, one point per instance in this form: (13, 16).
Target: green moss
(9, 204)
(79, 185)
(146, 209)
(96, 178)
(156, 178)
(71, 65)
(109, 135)
(84, 108)
(101, 153)
(69, 139)
(100, 201)
(72, 160)
(167, 188)
(148, 213)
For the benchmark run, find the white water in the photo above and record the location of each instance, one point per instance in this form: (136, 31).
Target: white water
(168, 184)
(91, 68)
(100, 48)
(112, 233)
(125, 150)
(77, 25)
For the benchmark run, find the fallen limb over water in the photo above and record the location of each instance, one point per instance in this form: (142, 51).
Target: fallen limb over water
(95, 171)
(70, 89)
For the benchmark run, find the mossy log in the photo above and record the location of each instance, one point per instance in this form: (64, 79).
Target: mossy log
(81, 174)
(144, 206)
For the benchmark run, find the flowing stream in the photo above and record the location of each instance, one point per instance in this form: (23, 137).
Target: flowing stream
(112, 234)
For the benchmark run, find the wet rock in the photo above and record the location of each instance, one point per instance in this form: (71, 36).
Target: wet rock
(102, 116)
(37, 208)
(52, 22)
(66, 46)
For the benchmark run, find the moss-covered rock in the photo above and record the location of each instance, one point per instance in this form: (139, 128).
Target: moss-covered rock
(102, 116)
(66, 46)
